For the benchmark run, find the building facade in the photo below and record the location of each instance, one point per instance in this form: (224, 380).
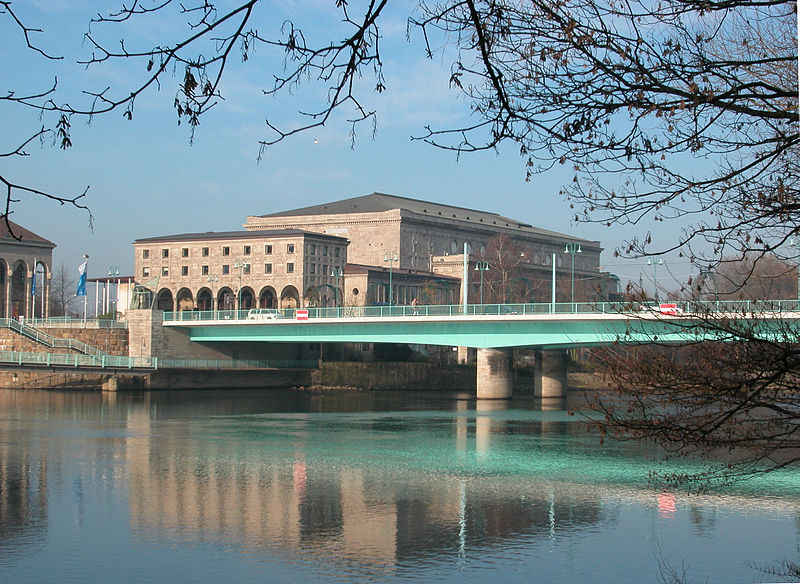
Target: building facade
(239, 270)
(370, 250)
(26, 267)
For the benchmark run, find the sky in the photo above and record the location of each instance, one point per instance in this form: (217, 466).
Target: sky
(147, 178)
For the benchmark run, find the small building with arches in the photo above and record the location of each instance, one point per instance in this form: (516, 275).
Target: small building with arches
(26, 266)
(239, 270)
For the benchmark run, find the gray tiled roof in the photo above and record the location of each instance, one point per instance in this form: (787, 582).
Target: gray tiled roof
(379, 202)
(221, 235)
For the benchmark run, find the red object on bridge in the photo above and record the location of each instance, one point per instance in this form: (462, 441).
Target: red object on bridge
(668, 308)
(301, 314)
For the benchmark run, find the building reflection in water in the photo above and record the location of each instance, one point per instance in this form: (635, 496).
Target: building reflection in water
(281, 492)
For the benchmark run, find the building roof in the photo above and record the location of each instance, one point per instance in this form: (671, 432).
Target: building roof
(225, 235)
(20, 234)
(381, 202)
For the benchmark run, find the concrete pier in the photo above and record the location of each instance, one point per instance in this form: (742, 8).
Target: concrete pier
(495, 375)
(551, 373)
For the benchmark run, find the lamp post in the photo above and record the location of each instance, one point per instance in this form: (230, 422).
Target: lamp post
(794, 243)
(572, 248)
(212, 279)
(655, 264)
(240, 265)
(390, 257)
(709, 273)
(113, 272)
(336, 273)
(481, 266)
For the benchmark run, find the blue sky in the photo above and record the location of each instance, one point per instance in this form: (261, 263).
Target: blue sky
(147, 180)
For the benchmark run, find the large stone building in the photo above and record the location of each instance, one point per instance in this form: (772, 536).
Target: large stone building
(23, 254)
(428, 238)
(347, 252)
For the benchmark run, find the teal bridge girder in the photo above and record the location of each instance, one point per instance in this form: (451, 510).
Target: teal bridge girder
(493, 326)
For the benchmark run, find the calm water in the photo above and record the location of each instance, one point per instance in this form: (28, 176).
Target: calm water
(356, 487)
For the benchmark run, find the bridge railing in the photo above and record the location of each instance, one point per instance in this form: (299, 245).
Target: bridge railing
(29, 358)
(532, 308)
(76, 360)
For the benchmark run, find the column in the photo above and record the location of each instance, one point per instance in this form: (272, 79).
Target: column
(8, 293)
(551, 373)
(495, 375)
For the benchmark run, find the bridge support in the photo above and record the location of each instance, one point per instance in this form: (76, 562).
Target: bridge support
(495, 375)
(110, 383)
(551, 373)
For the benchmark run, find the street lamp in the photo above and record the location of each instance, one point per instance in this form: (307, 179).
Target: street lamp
(240, 265)
(709, 273)
(336, 273)
(572, 248)
(794, 243)
(481, 266)
(213, 279)
(390, 257)
(113, 272)
(655, 264)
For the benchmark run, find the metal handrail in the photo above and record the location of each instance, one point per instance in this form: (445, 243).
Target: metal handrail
(22, 358)
(685, 306)
(49, 340)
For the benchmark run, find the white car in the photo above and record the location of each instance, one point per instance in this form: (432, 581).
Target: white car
(263, 314)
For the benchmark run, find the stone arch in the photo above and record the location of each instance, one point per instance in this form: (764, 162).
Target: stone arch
(267, 298)
(164, 300)
(205, 300)
(19, 277)
(290, 297)
(185, 299)
(226, 299)
(246, 298)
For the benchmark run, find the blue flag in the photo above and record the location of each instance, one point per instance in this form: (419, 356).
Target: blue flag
(33, 286)
(82, 280)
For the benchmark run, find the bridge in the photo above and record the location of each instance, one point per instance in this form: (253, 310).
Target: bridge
(493, 329)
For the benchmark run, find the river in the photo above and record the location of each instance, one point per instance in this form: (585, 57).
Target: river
(281, 486)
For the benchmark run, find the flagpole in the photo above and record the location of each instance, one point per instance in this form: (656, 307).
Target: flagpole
(86, 270)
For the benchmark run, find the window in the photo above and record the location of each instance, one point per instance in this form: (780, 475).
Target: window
(246, 250)
(267, 268)
(246, 269)
(290, 268)
(268, 249)
(312, 268)
(204, 270)
(226, 269)
(165, 271)
(145, 254)
(164, 253)
(205, 252)
(226, 251)
(324, 250)
(145, 272)
(290, 248)
(336, 251)
(325, 271)
(312, 248)
(185, 252)
(184, 270)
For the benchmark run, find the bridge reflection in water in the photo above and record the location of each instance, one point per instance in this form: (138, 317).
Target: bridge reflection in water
(365, 485)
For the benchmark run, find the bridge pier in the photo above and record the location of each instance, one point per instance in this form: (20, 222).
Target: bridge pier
(551, 373)
(495, 375)
(110, 383)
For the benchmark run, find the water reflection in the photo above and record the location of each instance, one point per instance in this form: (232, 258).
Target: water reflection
(373, 482)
